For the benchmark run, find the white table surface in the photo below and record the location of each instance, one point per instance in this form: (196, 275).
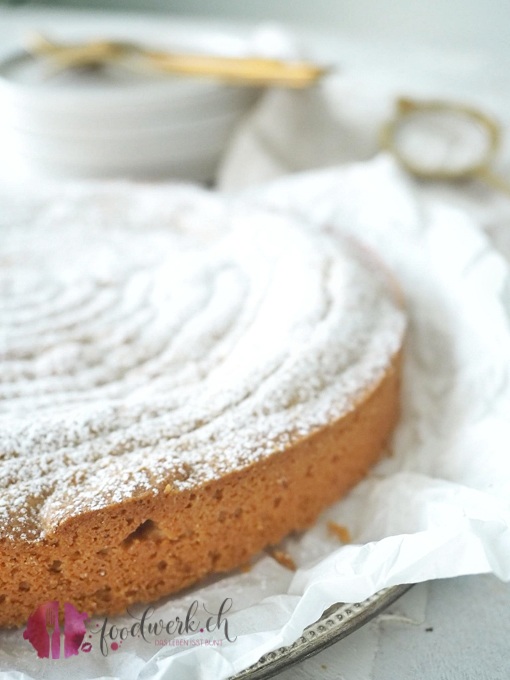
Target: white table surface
(457, 629)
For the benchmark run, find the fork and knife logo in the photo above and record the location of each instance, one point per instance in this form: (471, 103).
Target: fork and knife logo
(44, 631)
(53, 630)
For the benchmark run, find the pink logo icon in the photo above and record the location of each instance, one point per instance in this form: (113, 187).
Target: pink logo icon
(44, 631)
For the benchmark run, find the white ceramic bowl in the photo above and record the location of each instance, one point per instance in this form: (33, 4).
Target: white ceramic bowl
(113, 122)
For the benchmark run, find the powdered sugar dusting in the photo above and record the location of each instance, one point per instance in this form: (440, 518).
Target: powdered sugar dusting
(155, 336)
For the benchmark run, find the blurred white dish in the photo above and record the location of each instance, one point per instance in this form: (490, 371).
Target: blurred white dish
(124, 149)
(57, 117)
(116, 123)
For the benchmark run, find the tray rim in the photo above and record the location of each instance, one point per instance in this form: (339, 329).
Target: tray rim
(337, 622)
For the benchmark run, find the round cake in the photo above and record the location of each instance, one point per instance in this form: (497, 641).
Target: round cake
(183, 383)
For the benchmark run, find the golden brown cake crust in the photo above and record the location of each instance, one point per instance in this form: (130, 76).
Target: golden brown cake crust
(102, 561)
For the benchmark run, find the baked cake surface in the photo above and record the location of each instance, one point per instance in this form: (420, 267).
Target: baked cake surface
(182, 384)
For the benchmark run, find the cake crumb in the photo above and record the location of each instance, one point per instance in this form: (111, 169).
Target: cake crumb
(282, 558)
(339, 531)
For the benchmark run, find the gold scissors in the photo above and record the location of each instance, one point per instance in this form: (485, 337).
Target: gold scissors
(251, 71)
(444, 140)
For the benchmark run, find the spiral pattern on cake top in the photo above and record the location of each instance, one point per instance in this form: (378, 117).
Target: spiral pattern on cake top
(161, 337)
